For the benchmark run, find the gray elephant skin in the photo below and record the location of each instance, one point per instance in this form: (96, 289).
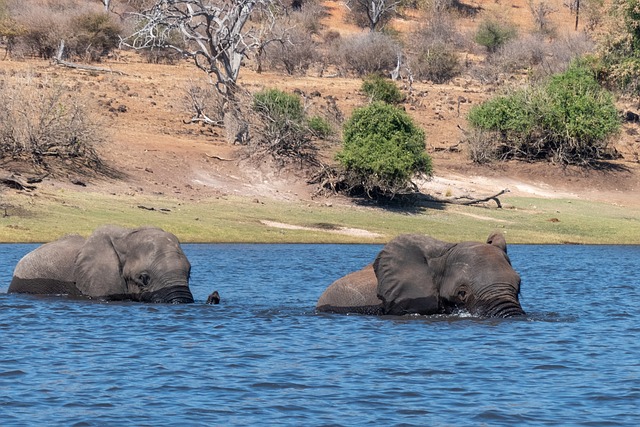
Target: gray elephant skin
(417, 274)
(144, 264)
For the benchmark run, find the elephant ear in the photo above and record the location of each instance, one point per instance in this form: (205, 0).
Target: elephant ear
(497, 239)
(406, 270)
(98, 267)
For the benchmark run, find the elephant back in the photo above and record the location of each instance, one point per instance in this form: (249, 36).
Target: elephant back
(353, 293)
(49, 269)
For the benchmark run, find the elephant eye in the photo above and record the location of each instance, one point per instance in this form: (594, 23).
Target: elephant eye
(462, 294)
(144, 279)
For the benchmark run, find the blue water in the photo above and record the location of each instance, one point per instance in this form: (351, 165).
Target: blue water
(264, 357)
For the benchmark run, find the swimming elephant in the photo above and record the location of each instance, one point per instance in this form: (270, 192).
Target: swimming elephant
(416, 274)
(143, 264)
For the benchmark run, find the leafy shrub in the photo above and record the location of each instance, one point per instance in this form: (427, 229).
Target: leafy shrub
(492, 34)
(383, 150)
(569, 119)
(620, 50)
(377, 88)
(279, 105)
(320, 127)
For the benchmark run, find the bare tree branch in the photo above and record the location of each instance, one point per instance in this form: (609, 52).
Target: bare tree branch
(377, 11)
(210, 32)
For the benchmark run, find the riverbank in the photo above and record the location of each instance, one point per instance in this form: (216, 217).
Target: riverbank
(46, 214)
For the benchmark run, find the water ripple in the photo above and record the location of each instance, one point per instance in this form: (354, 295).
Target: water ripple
(264, 356)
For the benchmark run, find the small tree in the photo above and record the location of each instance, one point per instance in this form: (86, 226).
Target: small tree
(383, 150)
(492, 34)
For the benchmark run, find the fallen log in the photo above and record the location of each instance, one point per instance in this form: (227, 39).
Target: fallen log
(59, 61)
(466, 200)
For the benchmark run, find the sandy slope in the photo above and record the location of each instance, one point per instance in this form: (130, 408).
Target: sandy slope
(157, 153)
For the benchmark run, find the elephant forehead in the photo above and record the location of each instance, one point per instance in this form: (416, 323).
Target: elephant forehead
(482, 259)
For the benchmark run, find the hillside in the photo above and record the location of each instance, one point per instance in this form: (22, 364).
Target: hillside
(157, 155)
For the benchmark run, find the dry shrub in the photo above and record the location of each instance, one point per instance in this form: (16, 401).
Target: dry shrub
(94, 35)
(295, 55)
(88, 32)
(540, 12)
(309, 16)
(434, 55)
(204, 102)
(161, 55)
(43, 121)
(521, 53)
(531, 53)
(482, 146)
(563, 50)
(366, 53)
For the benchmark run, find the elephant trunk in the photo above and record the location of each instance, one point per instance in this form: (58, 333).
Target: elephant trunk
(499, 300)
(506, 308)
(176, 294)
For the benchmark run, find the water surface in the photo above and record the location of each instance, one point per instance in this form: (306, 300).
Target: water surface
(263, 356)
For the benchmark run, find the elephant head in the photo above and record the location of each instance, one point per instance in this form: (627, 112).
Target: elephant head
(419, 274)
(144, 264)
(416, 274)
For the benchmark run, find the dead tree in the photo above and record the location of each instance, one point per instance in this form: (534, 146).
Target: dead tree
(212, 33)
(377, 12)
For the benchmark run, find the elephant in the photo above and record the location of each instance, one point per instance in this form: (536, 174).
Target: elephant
(145, 264)
(417, 274)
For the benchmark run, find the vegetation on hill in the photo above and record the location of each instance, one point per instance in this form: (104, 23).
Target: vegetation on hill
(551, 111)
(568, 119)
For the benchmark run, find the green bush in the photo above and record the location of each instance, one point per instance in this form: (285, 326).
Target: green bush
(279, 104)
(319, 126)
(377, 88)
(492, 34)
(383, 150)
(569, 119)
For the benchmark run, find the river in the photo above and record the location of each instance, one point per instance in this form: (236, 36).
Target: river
(264, 357)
